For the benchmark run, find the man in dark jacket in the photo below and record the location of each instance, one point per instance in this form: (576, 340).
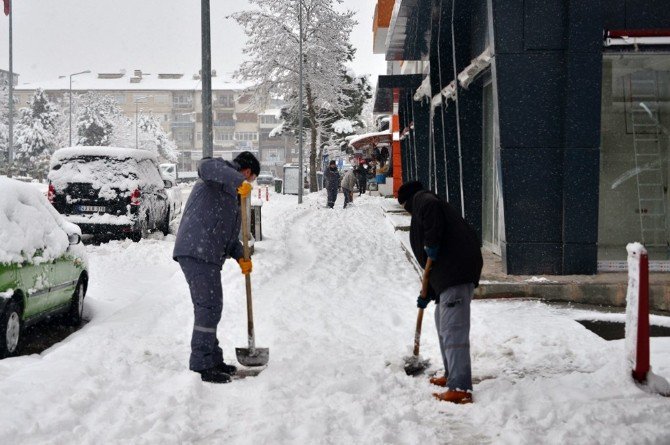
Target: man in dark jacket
(362, 176)
(208, 233)
(438, 232)
(332, 177)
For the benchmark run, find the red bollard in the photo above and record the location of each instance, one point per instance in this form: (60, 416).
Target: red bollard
(642, 349)
(267, 193)
(259, 193)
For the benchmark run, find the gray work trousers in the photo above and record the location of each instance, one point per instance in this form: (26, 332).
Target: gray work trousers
(204, 282)
(452, 319)
(347, 197)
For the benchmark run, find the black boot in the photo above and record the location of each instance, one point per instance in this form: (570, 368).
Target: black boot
(228, 369)
(214, 375)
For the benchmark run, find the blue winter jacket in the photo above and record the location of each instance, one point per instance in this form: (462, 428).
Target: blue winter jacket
(210, 224)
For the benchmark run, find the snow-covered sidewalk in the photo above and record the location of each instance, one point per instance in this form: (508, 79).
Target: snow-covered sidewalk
(334, 300)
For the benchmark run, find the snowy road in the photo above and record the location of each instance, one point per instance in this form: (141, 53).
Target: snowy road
(334, 300)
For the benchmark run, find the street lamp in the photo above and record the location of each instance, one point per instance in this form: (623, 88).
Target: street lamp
(301, 185)
(71, 75)
(137, 102)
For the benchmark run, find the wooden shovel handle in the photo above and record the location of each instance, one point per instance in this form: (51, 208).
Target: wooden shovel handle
(419, 317)
(247, 277)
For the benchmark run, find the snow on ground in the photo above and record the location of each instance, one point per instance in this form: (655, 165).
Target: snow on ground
(334, 300)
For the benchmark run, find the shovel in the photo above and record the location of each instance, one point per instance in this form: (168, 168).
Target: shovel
(414, 364)
(251, 356)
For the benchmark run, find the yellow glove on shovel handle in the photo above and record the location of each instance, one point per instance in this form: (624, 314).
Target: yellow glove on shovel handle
(244, 190)
(245, 266)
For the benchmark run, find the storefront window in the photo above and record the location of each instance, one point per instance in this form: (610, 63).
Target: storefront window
(634, 169)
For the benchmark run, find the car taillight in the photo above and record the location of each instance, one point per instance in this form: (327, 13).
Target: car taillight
(135, 197)
(51, 194)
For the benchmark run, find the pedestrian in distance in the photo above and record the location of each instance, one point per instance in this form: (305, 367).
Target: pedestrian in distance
(439, 235)
(332, 178)
(208, 234)
(348, 183)
(362, 176)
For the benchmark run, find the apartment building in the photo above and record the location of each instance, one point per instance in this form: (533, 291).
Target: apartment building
(4, 77)
(176, 99)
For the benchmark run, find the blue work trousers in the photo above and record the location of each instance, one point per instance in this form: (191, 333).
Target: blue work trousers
(452, 319)
(204, 282)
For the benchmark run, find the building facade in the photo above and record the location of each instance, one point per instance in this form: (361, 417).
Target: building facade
(176, 99)
(546, 122)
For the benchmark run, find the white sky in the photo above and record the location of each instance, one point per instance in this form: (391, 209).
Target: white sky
(53, 38)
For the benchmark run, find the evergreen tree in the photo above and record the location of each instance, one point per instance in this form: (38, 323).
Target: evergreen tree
(273, 49)
(36, 135)
(96, 118)
(155, 139)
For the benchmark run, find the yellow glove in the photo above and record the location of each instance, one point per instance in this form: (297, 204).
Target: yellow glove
(244, 190)
(245, 265)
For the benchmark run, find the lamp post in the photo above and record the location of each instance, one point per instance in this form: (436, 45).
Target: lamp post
(71, 75)
(137, 102)
(301, 185)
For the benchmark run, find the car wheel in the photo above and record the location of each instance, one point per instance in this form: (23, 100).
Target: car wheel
(10, 327)
(74, 315)
(166, 227)
(135, 237)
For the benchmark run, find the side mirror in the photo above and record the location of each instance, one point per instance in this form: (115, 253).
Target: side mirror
(168, 183)
(74, 238)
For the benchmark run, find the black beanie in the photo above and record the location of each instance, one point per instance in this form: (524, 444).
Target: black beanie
(408, 190)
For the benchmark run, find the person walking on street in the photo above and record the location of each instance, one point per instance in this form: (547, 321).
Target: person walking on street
(348, 183)
(332, 177)
(362, 175)
(207, 235)
(440, 235)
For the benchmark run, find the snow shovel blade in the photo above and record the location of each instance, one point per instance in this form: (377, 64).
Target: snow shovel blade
(415, 365)
(253, 357)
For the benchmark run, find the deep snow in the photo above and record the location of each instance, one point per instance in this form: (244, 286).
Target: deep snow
(334, 300)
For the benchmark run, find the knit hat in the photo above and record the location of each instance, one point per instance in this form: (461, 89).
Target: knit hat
(408, 190)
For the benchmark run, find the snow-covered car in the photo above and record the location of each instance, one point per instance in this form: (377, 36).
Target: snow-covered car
(110, 191)
(170, 173)
(265, 178)
(43, 268)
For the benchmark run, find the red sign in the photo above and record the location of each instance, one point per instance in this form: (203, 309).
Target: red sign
(6, 6)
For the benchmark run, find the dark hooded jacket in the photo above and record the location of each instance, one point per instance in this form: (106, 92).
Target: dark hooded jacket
(436, 223)
(210, 225)
(332, 178)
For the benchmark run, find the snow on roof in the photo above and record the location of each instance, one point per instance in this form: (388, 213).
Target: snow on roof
(110, 152)
(361, 139)
(30, 228)
(122, 81)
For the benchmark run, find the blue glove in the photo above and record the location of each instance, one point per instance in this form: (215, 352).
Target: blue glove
(432, 252)
(421, 302)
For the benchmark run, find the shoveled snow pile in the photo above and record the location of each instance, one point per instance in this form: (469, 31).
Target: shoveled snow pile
(30, 228)
(335, 302)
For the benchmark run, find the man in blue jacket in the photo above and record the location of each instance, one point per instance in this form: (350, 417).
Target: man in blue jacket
(437, 231)
(208, 234)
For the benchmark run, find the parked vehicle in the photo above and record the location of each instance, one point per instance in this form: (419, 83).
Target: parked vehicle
(43, 270)
(169, 172)
(110, 191)
(265, 178)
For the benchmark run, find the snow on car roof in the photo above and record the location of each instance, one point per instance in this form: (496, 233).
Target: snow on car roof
(30, 228)
(109, 152)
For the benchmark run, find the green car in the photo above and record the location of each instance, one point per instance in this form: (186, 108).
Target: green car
(43, 268)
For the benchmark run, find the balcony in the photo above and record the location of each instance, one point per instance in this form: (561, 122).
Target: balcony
(182, 105)
(224, 123)
(186, 124)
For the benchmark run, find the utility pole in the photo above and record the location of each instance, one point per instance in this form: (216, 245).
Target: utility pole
(301, 185)
(206, 77)
(10, 141)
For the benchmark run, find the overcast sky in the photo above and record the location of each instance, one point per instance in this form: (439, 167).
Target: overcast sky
(60, 37)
